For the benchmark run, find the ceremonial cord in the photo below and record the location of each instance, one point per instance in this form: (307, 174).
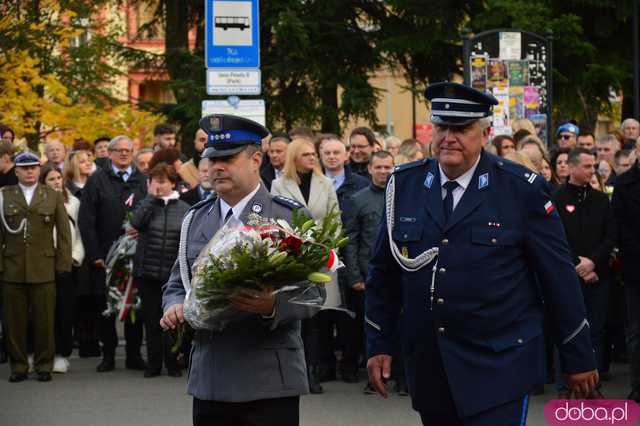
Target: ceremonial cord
(23, 222)
(182, 251)
(406, 263)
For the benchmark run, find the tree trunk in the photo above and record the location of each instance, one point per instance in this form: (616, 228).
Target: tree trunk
(330, 122)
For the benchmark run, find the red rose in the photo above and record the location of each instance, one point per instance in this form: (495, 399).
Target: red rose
(292, 243)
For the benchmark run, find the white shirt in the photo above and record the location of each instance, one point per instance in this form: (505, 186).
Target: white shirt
(236, 210)
(279, 173)
(28, 191)
(463, 181)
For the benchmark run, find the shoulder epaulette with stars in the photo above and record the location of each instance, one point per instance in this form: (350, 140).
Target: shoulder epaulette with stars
(411, 165)
(287, 202)
(517, 169)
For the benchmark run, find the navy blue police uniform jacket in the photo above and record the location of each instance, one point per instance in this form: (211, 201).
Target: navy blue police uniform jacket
(501, 254)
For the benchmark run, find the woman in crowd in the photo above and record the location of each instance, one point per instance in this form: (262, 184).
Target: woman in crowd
(158, 221)
(545, 169)
(77, 169)
(65, 281)
(171, 156)
(504, 145)
(560, 167)
(410, 150)
(393, 145)
(604, 168)
(521, 159)
(303, 181)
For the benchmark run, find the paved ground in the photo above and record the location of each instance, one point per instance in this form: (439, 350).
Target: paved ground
(84, 397)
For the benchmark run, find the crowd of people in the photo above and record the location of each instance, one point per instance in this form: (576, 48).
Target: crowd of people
(113, 187)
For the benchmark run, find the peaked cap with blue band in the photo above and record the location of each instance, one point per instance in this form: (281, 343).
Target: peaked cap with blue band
(228, 134)
(26, 159)
(454, 104)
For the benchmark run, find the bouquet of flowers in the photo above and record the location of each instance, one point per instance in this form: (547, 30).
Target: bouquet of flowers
(122, 294)
(265, 254)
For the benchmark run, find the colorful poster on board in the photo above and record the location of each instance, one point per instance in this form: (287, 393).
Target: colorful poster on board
(497, 74)
(516, 102)
(501, 123)
(518, 73)
(531, 101)
(479, 73)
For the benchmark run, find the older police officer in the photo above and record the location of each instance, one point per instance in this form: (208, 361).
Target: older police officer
(460, 263)
(253, 372)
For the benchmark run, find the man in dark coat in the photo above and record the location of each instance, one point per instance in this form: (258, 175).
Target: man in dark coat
(588, 222)
(109, 196)
(362, 226)
(626, 210)
(203, 189)
(276, 155)
(361, 144)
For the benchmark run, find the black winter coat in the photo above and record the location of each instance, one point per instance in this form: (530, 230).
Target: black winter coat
(106, 200)
(588, 222)
(626, 210)
(159, 237)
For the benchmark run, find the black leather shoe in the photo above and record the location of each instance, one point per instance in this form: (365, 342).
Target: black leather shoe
(401, 388)
(538, 390)
(314, 387)
(174, 373)
(106, 365)
(44, 377)
(18, 377)
(135, 363)
(350, 376)
(151, 372)
(3, 353)
(634, 395)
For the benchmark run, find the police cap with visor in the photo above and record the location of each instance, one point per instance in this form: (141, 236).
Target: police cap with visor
(227, 135)
(26, 159)
(454, 104)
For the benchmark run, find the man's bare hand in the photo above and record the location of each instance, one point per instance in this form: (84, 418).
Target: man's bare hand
(591, 278)
(359, 286)
(99, 263)
(173, 317)
(132, 232)
(585, 266)
(253, 301)
(582, 383)
(379, 369)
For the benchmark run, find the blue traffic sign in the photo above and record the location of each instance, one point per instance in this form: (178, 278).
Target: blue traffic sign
(232, 34)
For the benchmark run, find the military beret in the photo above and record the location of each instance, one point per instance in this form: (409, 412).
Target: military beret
(454, 104)
(228, 134)
(25, 159)
(568, 127)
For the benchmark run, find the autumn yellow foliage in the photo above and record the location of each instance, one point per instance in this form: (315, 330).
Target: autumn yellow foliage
(36, 103)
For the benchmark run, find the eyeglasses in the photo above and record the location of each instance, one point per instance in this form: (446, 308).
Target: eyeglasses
(565, 137)
(122, 151)
(359, 146)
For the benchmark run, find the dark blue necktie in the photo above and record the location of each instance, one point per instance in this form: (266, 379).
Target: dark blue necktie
(449, 186)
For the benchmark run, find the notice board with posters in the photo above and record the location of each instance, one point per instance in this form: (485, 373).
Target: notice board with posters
(515, 66)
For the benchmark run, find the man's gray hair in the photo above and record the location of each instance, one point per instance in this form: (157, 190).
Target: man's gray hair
(114, 141)
(144, 151)
(53, 142)
(485, 123)
(629, 121)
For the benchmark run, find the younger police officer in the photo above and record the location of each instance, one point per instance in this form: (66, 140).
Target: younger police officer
(30, 214)
(253, 372)
(458, 258)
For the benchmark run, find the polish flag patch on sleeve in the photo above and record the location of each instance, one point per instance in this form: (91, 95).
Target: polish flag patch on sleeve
(549, 207)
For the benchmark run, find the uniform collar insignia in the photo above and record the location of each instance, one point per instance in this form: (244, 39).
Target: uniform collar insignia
(483, 180)
(429, 180)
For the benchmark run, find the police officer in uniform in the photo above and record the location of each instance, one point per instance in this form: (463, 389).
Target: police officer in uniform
(30, 214)
(253, 372)
(459, 261)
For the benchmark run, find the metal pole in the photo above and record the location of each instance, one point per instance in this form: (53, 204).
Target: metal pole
(466, 52)
(549, 38)
(413, 107)
(636, 62)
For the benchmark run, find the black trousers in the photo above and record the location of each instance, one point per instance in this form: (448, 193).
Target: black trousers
(158, 343)
(512, 413)
(65, 310)
(107, 329)
(263, 412)
(354, 332)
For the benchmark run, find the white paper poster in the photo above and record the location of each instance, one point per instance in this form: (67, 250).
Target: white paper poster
(510, 46)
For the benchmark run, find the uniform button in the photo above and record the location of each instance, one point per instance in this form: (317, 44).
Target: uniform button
(440, 301)
(405, 236)
(445, 242)
(441, 330)
(494, 241)
(442, 270)
(520, 341)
